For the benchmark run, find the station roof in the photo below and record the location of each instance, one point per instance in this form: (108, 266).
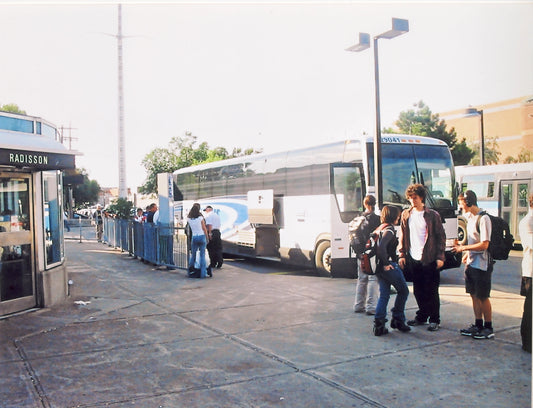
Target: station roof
(27, 150)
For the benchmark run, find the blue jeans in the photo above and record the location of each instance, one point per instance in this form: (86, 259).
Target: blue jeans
(395, 278)
(198, 243)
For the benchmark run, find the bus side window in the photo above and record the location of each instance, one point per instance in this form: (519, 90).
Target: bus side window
(490, 190)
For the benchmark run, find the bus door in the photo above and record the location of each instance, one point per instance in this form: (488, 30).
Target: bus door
(261, 214)
(513, 203)
(347, 184)
(16, 248)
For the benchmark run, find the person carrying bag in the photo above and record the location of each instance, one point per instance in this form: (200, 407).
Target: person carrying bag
(389, 273)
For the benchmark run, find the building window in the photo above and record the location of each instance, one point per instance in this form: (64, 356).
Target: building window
(49, 131)
(53, 220)
(16, 124)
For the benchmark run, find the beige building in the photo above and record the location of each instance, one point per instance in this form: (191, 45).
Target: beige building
(509, 121)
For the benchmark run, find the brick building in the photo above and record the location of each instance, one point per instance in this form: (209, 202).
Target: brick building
(509, 121)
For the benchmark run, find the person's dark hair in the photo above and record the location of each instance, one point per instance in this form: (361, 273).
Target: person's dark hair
(195, 211)
(469, 197)
(417, 189)
(389, 214)
(370, 200)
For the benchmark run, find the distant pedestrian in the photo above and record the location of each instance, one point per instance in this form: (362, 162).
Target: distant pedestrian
(422, 245)
(98, 218)
(214, 246)
(152, 208)
(139, 217)
(367, 285)
(389, 273)
(479, 265)
(525, 229)
(199, 238)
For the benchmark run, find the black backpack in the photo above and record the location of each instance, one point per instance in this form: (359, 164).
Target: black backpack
(369, 262)
(501, 239)
(360, 229)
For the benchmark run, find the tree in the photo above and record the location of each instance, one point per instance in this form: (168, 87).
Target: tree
(183, 152)
(12, 108)
(423, 122)
(491, 150)
(525, 156)
(85, 194)
(122, 208)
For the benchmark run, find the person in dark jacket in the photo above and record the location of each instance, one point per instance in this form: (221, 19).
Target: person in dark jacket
(367, 285)
(421, 248)
(389, 273)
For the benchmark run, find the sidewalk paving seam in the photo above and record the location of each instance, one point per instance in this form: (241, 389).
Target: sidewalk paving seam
(286, 362)
(32, 375)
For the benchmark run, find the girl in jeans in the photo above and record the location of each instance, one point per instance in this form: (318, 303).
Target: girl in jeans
(389, 273)
(199, 237)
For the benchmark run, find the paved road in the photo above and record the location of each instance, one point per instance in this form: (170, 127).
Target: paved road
(255, 335)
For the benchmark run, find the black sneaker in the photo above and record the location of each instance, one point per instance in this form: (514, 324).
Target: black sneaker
(415, 322)
(484, 333)
(470, 331)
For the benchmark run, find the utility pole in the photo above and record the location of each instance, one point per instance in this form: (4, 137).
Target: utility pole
(122, 187)
(70, 138)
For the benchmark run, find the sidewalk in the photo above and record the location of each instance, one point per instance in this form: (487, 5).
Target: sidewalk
(133, 336)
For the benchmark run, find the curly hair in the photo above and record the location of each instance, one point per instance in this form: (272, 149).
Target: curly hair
(416, 189)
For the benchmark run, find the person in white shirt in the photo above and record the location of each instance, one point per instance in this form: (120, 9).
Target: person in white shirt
(525, 229)
(479, 265)
(214, 247)
(421, 247)
(199, 238)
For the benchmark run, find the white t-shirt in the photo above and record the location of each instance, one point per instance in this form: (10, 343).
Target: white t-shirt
(196, 225)
(417, 234)
(213, 219)
(525, 229)
(478, 259)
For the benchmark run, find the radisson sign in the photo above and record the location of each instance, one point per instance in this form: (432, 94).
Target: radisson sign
(36, 160)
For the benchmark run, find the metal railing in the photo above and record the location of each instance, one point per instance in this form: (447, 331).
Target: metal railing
(80, 229)
(160, 245)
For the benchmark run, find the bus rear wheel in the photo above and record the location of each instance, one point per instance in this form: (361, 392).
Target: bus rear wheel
(323, 258)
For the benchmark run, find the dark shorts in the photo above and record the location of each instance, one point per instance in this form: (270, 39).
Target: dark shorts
(478, 282)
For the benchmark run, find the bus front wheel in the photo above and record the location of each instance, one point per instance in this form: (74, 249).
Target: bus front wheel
(323, 258)
(461, 232)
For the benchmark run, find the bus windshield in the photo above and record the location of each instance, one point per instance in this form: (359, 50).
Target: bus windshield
(408, 164)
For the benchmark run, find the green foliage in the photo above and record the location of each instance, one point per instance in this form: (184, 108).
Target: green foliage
(182, 152)
(525, 156)
(121, 208)
(12, 108)
(422, 122)
(492, 152)
(85, 194)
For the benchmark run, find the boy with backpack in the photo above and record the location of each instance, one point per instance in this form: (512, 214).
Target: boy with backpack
(479, 266)
(367, 285)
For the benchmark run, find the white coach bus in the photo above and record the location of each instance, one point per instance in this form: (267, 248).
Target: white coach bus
(295, 206)
(501, 190)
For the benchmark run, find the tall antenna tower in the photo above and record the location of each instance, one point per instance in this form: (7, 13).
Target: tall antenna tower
(122, 187)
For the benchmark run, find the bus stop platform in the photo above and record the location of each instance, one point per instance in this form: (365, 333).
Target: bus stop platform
(132, 335)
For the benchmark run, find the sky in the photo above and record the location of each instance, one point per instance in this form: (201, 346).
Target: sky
(263, 74)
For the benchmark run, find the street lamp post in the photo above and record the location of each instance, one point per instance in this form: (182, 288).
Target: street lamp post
(476, 112)
(399, 27)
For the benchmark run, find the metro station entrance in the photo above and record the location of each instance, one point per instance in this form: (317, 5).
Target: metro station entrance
(17, 275)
